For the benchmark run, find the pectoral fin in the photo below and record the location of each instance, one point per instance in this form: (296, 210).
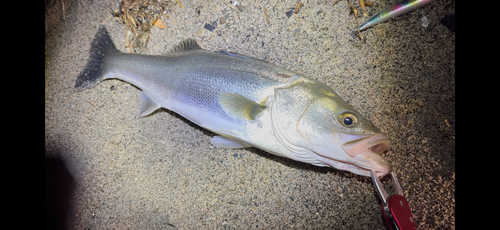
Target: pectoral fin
(240, 107)
(146, 105)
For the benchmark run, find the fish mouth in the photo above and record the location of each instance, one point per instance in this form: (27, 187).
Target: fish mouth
(366, 153)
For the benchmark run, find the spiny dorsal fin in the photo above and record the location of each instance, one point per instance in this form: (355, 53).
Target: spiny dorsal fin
(186, 45)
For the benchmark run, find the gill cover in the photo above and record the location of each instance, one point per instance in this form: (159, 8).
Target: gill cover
(292, 113)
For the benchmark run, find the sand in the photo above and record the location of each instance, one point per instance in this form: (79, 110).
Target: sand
(160, 171)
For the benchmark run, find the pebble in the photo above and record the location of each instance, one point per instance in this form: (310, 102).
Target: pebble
(209, 27)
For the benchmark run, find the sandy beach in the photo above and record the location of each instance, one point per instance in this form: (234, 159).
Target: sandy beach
(161, 172)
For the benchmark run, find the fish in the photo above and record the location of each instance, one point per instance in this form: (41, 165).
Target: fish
(394, 10)
(246, 102)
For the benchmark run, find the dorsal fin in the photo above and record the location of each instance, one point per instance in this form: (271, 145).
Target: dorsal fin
(237, 55)
(234, 54)
(186, 45)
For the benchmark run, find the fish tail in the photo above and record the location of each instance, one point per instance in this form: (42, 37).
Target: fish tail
(101, 47)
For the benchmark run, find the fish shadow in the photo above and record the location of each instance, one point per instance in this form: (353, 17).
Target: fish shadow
(283, 160)
(301, 165)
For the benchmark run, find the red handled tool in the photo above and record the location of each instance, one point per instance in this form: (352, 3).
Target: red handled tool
(395, 209)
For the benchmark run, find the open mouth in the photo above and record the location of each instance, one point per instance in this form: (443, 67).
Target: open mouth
(380, 145)
(366, 153)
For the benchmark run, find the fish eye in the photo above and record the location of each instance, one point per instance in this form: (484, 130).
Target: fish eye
(348, 119)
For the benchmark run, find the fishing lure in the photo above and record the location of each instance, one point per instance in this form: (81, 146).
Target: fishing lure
(396, 9)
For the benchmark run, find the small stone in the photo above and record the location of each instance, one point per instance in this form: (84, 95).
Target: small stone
(209, 27)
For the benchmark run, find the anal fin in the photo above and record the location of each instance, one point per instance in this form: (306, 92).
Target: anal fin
(146, 105)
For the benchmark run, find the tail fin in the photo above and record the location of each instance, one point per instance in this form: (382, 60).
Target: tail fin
(101, 47)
